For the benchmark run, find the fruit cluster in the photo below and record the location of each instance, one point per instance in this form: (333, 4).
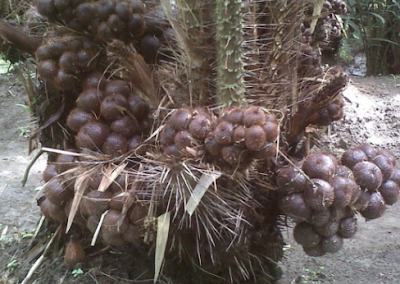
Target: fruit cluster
(185, 128)
(158, 34)
(103, 114)
(108, 19)
(116, 229)
(374, 171)
(63, 59)
(241, 132)
(322, 195)
(59, 188)
(109, 117)
(309, 59)
(332, 112)
(335, 6)
(59, 193)
(328, 31)
(231, 139)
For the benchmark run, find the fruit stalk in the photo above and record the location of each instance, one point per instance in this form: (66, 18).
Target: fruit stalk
(18, 39)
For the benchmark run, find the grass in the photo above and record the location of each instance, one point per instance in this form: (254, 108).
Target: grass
(12, 265)
(4, 66)
(24, 131)
(77, 272)
(317, 276)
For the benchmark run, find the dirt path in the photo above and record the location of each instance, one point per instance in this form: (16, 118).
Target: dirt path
(16, 211)
(370, 257)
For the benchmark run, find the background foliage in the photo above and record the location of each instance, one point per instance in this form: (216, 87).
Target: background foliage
(377, 25)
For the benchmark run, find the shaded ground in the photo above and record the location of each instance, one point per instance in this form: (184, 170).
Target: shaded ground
(370, 257)
(16, 211)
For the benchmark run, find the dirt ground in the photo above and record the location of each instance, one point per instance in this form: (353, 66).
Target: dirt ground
(17, 205)
(372, 256)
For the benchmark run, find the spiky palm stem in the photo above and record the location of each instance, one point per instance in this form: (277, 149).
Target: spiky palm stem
(229, 37)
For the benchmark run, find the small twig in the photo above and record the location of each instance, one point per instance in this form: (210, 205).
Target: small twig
(26, 174)
(4, 233)
(40, 260)
(33, 269)
(58, 151)
(299, 169)
(100, 252)
(96, 233)
(36, 250)
(41, 221)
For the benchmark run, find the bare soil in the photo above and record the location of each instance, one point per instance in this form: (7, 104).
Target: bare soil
(372, 256)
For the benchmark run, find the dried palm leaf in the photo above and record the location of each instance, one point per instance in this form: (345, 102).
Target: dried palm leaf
(163, 224)
(201, 187)
(79, 187)
(110, 174)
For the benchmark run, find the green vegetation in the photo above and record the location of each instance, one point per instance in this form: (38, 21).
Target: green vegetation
(377, 25)
(12, 265)
(317, 276)
(77, 272)
(4, 66)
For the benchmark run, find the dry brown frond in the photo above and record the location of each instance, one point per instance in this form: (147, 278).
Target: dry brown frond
(271, 30)
(131, 67)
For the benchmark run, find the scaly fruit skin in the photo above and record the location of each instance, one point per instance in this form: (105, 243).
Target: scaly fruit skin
(186, 129)
(320, 166)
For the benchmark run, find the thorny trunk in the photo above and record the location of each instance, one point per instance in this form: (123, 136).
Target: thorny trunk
(229, 37)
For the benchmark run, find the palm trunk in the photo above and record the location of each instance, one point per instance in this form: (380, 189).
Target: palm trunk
(229, 37)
